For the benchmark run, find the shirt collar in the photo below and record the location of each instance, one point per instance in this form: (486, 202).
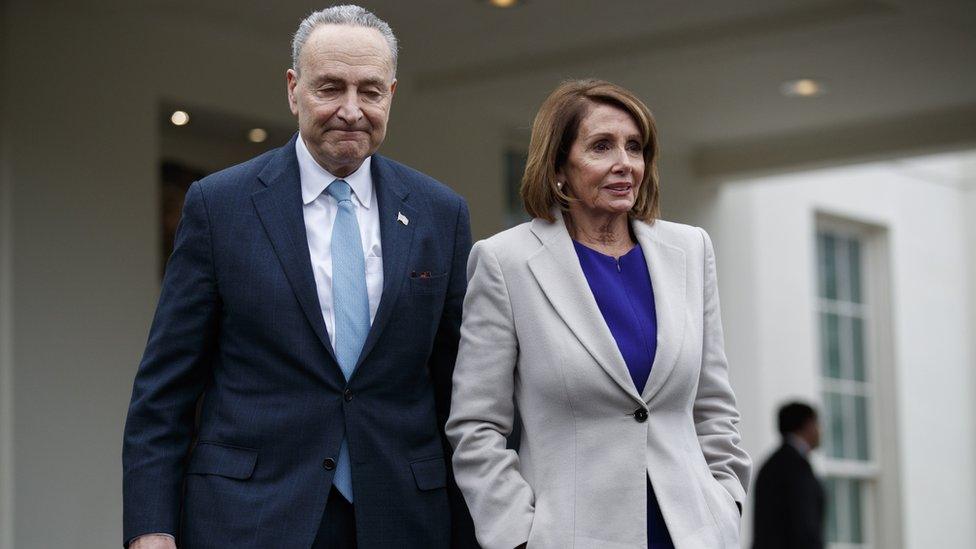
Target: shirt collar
(315, 178)
(798, 443)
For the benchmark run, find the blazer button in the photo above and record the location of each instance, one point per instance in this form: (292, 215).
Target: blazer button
(640, 415)
(347, 394)
(329, 464)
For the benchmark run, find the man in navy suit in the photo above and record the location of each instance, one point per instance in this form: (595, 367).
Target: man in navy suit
(313, 299)
(789, 511)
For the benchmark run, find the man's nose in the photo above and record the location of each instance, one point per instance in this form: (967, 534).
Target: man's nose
(349, 111)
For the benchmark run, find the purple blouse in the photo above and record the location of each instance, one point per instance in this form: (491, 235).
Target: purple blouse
(622, 288)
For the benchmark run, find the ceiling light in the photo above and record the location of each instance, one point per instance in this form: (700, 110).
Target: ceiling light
(257, 135)
(503, 3)
(803, 87)
(179, 118)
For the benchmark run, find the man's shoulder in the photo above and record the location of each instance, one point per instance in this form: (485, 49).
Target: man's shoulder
(237, 176)
(417, 181)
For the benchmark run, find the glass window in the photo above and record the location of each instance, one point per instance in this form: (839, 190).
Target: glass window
(514, 168)
(847, 393)
(845, 511)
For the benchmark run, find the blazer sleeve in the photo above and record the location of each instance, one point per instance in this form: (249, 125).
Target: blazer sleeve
(715, 412)
(482, 412)
(173, 372)
(441, 367)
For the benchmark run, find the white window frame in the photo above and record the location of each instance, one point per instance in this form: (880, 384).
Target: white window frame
(880, 497)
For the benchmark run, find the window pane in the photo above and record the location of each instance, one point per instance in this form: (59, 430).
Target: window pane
(861, 427)
(845, 512)
(828, 267)
(854, 511)
(857, 349)
(833, 532)
(854, 268)
(835, 425)
(514, 167)
(830, 345)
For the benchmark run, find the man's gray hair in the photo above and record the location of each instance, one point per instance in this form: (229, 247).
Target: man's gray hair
(347, 14)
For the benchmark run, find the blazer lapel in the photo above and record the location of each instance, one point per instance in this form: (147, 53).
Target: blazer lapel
(279, 206)
(666, 264)
(396, 238)
(557, 269)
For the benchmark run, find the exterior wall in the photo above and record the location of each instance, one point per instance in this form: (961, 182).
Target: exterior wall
(6, 298)
(764, 232)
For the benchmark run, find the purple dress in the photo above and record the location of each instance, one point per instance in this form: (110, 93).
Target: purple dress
(623, 292)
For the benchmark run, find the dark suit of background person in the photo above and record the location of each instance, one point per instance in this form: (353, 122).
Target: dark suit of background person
(609, 456)
(240, 321)
(789, 511)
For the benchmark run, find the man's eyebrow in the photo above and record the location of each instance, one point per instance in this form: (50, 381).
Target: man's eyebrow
(373, 82)
(327, 79)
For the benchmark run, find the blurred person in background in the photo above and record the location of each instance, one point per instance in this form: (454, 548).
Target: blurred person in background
(314, 299)
(600, 323)
(789, 510)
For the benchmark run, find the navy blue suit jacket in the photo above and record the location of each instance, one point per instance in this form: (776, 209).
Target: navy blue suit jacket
(790, 503)
(239, 322)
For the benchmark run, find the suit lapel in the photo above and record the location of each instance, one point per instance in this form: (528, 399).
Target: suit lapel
(666, 264)
(279, 206)
(396, 238)
(557, 269)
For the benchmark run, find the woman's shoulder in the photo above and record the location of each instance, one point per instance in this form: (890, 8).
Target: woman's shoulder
(680, 235)
(671, 229)
(517, 237)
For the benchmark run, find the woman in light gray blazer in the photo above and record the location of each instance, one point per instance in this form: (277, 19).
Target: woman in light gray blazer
(601, 325)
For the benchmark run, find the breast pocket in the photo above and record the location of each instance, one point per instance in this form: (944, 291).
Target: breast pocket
(432, 285)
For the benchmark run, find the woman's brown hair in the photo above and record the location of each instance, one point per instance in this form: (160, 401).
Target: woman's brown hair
(554, 131)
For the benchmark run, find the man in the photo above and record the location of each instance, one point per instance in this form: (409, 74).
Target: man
(789, 498)
(314, 299)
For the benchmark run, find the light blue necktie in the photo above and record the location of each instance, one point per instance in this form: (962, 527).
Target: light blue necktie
(351, 305)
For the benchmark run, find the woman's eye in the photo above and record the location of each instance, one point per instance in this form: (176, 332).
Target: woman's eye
(601, 146)
(634, 146)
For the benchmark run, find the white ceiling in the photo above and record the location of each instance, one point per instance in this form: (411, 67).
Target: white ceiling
(710, 69)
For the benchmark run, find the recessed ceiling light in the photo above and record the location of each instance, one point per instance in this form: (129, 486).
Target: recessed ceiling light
(803, 87)
(503, 3)
(179, 118)
(257, 135)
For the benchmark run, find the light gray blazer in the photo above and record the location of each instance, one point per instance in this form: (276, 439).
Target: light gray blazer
(533, 338)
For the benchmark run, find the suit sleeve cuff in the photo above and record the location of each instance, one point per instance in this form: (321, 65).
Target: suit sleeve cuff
(133, 540)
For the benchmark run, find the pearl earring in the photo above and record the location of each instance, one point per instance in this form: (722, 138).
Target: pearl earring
(559, 185)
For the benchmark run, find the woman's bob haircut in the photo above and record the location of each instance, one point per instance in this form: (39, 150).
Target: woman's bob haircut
(554, 131)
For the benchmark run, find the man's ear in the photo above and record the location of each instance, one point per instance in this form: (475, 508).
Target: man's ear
(291, 80)
(393, 87)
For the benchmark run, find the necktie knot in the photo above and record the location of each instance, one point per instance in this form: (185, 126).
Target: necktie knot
(339, 190)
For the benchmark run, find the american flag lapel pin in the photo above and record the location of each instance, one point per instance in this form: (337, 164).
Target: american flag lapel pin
(402, 219)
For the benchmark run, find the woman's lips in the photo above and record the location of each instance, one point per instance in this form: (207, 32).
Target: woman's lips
(619, 189)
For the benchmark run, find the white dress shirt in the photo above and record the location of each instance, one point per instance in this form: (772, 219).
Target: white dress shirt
(320, 211)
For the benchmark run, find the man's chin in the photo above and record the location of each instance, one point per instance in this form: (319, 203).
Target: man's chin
(344, 158)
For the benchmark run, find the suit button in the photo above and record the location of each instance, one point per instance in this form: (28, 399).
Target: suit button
(329, 464)
(640, 415)
(347, 394)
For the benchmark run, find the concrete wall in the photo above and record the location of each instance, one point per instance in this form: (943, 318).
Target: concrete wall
(764, 232)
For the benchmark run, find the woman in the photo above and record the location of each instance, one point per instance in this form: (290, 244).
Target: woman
(601, 325)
